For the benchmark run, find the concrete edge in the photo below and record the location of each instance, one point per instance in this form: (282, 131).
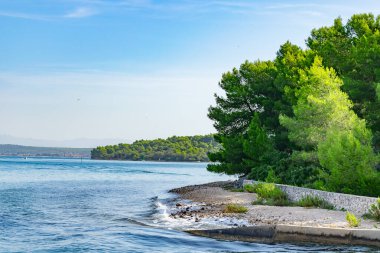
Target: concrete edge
(295, 234)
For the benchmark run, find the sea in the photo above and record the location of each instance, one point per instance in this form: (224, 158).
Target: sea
(74, 205)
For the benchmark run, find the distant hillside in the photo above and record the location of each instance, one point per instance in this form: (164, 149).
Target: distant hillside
(70, 143)
(185, 148)
(18, 150)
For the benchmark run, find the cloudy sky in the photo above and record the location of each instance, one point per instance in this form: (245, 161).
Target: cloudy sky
(132, 69)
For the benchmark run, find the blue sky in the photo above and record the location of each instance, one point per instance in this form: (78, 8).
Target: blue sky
(132, 69)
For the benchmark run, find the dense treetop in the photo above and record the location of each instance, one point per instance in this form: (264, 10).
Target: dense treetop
(353, 50)
(310, 117)
(176, 148)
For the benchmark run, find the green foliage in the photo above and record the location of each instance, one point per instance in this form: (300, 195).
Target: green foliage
(234, 208)
(271, 177)
(269, 194)
(249, 188)
(302, 168)
(314, 201)
(352, 220)
(290, 62)
(321, 106)
(248, 90)
(324, 121)
(350, 163)
(230, 158)
(353, 49)
(309, 117)
(267, 190)
(247, 119)
(374, 211)
(176, 148)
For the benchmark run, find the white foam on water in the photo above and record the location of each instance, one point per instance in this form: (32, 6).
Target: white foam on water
(162, 213)
(163, 217)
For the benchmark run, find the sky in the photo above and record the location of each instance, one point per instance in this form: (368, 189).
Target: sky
(137, 69)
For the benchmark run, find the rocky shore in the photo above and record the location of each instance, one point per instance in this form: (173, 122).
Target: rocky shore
(204, 206)
(208, 202)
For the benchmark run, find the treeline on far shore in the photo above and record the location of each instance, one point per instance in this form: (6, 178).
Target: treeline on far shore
(176, 148)
(25, 151)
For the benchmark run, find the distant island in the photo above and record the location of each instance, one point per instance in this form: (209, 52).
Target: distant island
(176, 148)
(27, 151)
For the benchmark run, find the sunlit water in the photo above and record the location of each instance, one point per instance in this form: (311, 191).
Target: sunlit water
(69, 205)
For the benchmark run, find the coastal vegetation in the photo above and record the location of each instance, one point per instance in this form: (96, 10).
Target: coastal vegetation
(176, 148)
(352, 220)
(374, 211)
(310, 117)
(314, 201)
(271, 195)
(268, 194)
(234, 208)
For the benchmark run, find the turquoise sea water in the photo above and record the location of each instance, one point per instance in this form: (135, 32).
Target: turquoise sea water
(69, 205)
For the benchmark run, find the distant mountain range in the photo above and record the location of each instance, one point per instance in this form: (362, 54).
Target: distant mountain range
(74, 143)
(25, 151)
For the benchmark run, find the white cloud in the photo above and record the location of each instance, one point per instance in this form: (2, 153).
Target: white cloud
(22, 15)
(80, 12)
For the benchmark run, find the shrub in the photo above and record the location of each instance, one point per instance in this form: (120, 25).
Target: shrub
(374, 211)
(249, 188)
(352, 220)
(269, 194)
(272, 177)
(234, 208)
(314, 201)
(269, 191)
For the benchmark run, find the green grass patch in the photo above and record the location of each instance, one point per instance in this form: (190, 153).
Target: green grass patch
(271, 195)
(374, 211)
(232, 188)
(234, 208)
(272, 202)
(314, 201)
(352, 220)
(236, 190)
(249, 188)
(268, 194)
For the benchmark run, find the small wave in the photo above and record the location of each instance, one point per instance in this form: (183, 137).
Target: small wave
(132, 221)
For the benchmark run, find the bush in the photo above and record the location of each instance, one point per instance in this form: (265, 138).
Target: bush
(352, 220)
(269, 194)
(234, 208)
(268, 190)
(374, 211)
(272, 177)
(249, 188)
(314, 201)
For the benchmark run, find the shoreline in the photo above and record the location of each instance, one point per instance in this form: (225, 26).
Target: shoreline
(265, 223)
(158, 161)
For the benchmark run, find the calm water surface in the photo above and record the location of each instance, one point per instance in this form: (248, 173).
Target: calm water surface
(65, 205)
